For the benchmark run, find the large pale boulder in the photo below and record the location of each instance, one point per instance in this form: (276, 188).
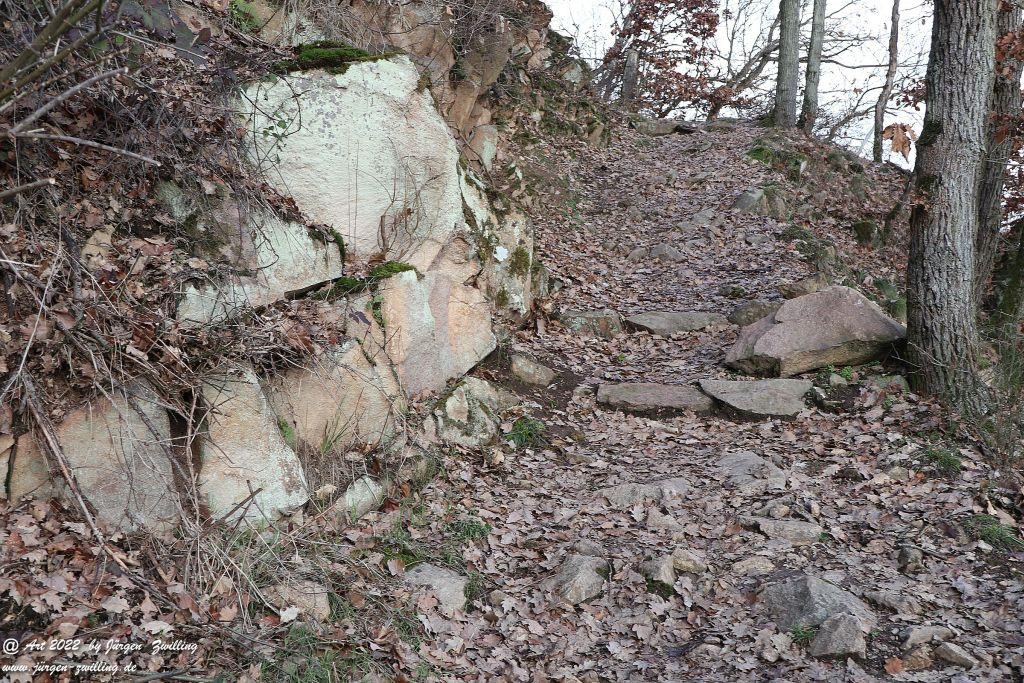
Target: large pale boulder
(365, 151)
(436, 328)
(245, 452)
(118, 451)
(338, 401)
(836, 326)
(282, 259)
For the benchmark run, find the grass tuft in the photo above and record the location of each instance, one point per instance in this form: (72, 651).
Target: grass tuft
(468, 529)
(995, 533)
(803, 635)
(944, 460)
(527, 431)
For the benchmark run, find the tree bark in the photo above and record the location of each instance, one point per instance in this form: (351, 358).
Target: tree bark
(1011, 303)
(809, 110)
(630, 76)
(789, 64)
(1005, 103)
(890, 78)
(941, 332)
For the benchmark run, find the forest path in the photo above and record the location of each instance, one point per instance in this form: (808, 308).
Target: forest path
(840, 494)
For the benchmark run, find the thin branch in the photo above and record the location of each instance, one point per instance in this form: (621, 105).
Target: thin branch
(88, 143)
(26, 187)
(43, 110)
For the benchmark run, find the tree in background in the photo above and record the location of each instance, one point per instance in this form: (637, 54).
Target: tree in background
(890, 79)
(812, 77)
(1004, 117)
(787, 80)
(670, 41)
(941, 332)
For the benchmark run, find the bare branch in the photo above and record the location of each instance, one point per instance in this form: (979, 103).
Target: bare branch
(89, 143)
(26, 187)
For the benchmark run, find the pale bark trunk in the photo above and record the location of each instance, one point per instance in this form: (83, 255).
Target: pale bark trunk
(890, 78)
(1005, 103)
(809, 111)
(941, 331)
(789, 64)
(630, 76)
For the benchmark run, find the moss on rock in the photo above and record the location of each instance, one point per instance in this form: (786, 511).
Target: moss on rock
(331, 56)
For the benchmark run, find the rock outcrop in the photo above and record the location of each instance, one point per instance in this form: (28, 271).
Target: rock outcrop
(339, 400)
(379, 221)
(836, 326)
(437, 328)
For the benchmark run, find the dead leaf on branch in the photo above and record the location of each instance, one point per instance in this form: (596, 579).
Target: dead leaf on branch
(901, 137)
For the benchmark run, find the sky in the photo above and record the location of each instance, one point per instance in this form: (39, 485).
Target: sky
(590, 21)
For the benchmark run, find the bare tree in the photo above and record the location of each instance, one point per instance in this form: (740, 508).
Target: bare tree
(942, 334)
(789, 63)
(1004, 107)
(809, 111)
(890, 79)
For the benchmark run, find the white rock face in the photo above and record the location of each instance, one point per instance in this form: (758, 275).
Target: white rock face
(285, 259)
(436, 328)
(363, 149)
(341, 400)
(245, 451)
(120, 461)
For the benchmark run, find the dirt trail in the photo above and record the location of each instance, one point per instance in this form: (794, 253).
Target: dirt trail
(858, 475)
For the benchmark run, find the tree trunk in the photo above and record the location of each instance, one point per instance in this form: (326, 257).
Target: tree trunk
(1004, 105)
(630, 76)
(809, 111)
(890, 78)
(941, 332)
(1011, 303)
(789, 64)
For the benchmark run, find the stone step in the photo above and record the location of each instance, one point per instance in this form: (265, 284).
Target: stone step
(782, 398)
(643, 397)
(666, 323)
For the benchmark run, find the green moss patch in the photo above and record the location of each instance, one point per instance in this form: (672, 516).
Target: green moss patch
(331, 56)
(389, 268)
(519, 262)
